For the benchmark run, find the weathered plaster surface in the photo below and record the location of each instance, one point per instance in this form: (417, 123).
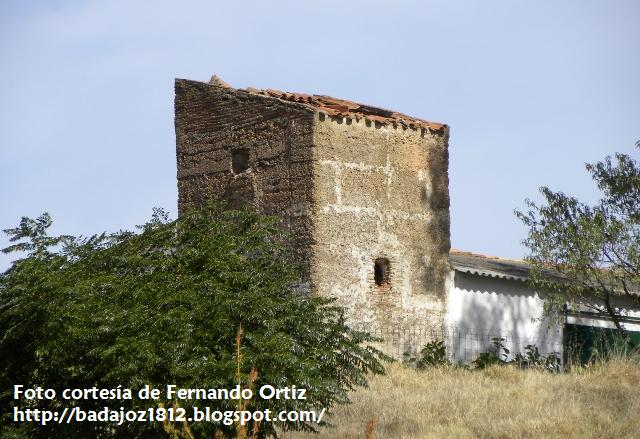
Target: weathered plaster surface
(379, 192)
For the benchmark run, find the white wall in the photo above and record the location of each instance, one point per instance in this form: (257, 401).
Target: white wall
(481, 307)
(626, 308)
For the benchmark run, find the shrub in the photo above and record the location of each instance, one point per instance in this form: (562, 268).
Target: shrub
(165, 307)
(433, 354)
(530, 359)
(497, 355)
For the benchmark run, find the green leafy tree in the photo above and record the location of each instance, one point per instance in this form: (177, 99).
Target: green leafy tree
(585, 254)
(206, 301)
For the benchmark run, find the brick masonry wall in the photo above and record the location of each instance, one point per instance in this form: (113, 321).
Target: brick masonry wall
(212, 122)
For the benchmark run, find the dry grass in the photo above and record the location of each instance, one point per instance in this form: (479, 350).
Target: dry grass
(501, 402)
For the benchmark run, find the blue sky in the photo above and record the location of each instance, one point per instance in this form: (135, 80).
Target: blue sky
(531, 90)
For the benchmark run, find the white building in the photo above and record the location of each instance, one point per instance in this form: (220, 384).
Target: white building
(488, 297)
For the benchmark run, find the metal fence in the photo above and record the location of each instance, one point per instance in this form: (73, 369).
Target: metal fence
(462, 344)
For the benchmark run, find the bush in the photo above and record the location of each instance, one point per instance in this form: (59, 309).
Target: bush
(206, 301)
(433, 354)
(533, 359)
(530, 359)
(498, 355)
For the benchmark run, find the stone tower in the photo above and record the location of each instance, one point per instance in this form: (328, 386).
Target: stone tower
(363, 190)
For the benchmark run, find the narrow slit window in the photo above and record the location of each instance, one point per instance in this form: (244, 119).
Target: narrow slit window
(381, 269)
(239, 160)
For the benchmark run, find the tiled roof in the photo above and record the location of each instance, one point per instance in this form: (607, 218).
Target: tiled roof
(344, 108)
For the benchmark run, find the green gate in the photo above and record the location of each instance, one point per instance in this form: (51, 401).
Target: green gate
(584, 343)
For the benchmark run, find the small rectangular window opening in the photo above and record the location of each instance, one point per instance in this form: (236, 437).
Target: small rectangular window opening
(381, 269)
(239, 160)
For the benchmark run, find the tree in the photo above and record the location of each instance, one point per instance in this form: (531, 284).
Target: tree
(206, 301)
(589, 255)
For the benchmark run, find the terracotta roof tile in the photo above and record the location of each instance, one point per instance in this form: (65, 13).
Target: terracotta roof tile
(344, 108)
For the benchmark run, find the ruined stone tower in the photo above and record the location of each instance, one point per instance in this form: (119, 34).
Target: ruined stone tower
(363, 190)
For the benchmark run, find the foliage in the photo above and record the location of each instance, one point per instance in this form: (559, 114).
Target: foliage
(530, 359)
(433, 354)
(533, 359)
(497, 355)
(589, 255)
(201, 302)
(588, 344)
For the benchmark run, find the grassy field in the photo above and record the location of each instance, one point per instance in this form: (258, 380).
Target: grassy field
(500, 402)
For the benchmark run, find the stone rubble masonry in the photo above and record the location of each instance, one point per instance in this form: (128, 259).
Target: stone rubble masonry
(349, 189)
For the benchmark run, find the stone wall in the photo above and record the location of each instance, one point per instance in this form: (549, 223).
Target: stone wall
(352, 192)
(213, 123)
(381, 193)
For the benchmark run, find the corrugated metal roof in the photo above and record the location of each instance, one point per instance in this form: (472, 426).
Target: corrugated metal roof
(344, 108)
(490, 266)
(512, 269)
